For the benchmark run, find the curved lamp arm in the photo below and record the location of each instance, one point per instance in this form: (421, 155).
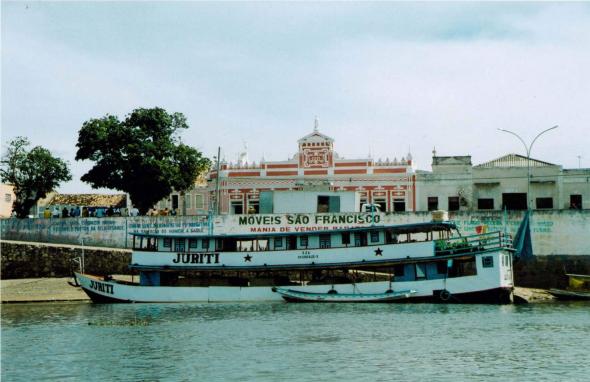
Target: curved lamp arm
(541, 133)
(526, 148)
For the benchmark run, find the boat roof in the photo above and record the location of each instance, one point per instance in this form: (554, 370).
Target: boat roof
(398, 228)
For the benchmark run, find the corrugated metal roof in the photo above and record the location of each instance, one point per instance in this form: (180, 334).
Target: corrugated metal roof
(90, 200)
(514, 160)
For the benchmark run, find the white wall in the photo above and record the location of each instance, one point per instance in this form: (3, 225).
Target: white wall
(307, 201)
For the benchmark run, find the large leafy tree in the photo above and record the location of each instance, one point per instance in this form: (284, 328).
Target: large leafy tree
(33, 173)
(142, 155)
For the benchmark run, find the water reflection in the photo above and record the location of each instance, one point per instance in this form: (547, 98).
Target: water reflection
(279, 341)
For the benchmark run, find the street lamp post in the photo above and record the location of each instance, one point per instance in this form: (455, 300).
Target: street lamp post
(528, 158)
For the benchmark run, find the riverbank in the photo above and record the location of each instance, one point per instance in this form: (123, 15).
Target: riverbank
(56, 289)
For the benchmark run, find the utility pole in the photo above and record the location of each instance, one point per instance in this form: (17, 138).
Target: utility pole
(217, 201)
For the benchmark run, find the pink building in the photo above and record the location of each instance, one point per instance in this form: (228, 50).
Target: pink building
(316, 166)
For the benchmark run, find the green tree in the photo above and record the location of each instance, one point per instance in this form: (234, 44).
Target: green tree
(32, 173)
(141, 155)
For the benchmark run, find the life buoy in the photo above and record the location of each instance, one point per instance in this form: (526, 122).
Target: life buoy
(444, 295)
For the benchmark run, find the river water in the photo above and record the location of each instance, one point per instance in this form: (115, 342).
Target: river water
(295, 342)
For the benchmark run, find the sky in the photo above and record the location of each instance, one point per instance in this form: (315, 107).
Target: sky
(383, 78)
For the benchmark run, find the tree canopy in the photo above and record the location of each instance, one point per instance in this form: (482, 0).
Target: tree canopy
(32, 173)
(141, 155)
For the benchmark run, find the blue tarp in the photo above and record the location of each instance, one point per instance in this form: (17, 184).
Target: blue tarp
(523, 243)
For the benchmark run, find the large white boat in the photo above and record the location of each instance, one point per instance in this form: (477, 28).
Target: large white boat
(431, 259)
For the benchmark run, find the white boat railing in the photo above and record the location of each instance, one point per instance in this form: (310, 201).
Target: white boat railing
(473, 243)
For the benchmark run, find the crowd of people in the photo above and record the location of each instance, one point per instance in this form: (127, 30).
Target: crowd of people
(164, 212)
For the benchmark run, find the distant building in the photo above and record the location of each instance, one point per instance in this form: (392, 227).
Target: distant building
(92, 202)
(194, 201)
(454, 184)
(315, 167)
(6, 199)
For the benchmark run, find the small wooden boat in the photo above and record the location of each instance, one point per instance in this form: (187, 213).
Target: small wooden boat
(291, 295)
(579, 288)
(564, 294)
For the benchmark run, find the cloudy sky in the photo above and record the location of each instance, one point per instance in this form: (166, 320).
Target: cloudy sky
(383, 78)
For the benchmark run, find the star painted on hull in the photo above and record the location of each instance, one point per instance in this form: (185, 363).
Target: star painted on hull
(248, 258)
(378, 252)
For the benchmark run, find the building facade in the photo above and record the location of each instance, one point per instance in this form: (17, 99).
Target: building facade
(315, 167)
(7, 195)
(455, 185)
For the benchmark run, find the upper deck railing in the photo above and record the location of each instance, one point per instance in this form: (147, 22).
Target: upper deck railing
(473, 243)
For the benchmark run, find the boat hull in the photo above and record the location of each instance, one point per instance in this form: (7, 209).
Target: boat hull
(460, 291)
(290, 295)
(563, 294)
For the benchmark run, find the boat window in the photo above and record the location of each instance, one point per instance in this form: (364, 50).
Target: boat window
(399, 270)
(167, 242)
(345, 238)
(462, 267)
(360, 239)
(389, 237)
(263, 244)
(245, 245)
(179, 245)
(278, 242)
(420, 271)
(145, 243)
(325, 241)
(487, 261)
(303, 241)
(441, 267)
(374, 236)
(192, 243)
(205, 243)
(291, 242)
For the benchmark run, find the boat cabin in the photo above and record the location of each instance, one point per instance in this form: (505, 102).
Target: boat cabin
(299, 240)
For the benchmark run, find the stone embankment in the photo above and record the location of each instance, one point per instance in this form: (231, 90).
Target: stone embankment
(38, 260)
